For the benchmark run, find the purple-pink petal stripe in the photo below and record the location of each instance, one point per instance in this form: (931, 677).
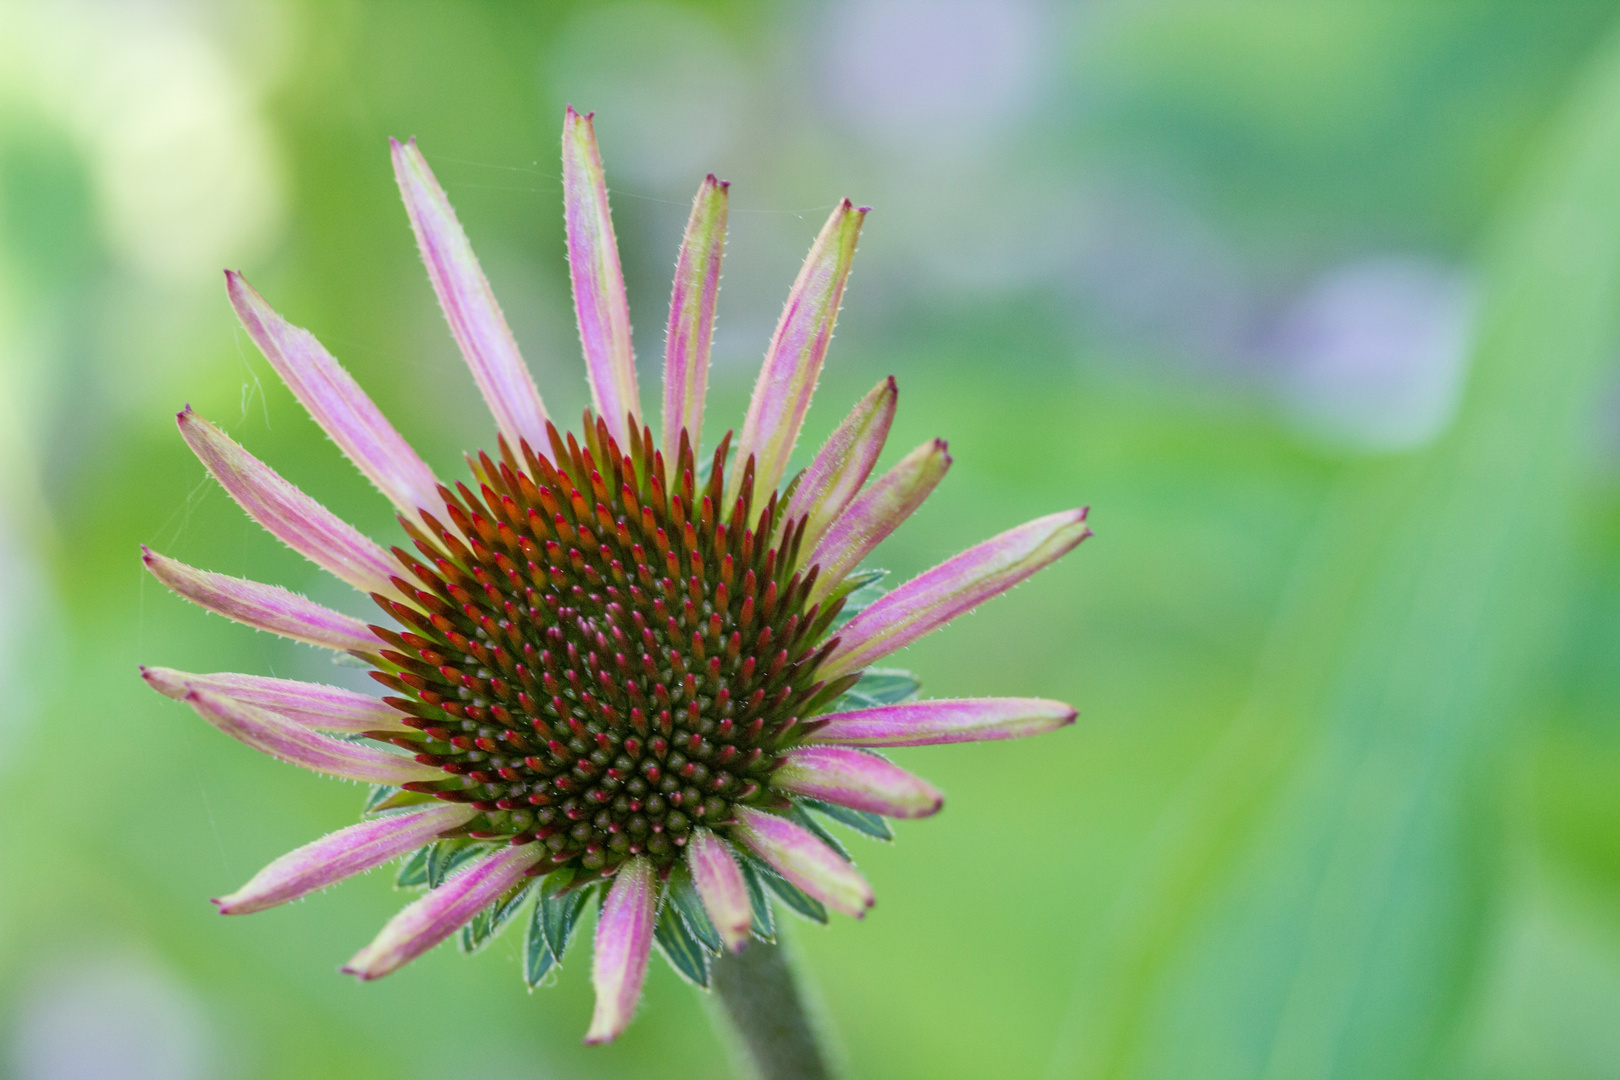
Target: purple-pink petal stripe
(314, 705)
(469, 305)
(842, 466)
(263, 607)
(800, 857)
(691, 316)
(336, 401)
(877, 512)
(342, 855)
(793, 362)
(422, 925)
(955, 586)
(287, 513)
(593, 266)
(720, 884)
(624, 935)
(926, 723)
(297, 745)
(858, 780)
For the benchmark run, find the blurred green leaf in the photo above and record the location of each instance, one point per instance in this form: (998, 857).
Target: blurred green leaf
(1315, 902)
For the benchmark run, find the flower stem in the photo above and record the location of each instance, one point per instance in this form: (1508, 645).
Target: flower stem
(761, 997)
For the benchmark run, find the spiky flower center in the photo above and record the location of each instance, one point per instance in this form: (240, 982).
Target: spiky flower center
(601, 655)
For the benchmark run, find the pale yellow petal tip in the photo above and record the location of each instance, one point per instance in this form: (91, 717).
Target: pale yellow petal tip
(360, 968)
(606, 1025)
(166, 681)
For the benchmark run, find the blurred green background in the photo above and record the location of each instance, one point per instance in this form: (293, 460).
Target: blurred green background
(1312, 303)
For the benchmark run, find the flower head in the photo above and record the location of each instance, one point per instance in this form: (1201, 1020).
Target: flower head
(618, 666)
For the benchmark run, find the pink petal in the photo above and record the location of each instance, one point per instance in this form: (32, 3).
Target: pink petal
(804, 860)
(793, 362)
(593, 264)
(691, 316)
(937, 596)
(336, 402)
(720, 883)
(296, 745)
(422, 925)
(624, 935)
(287, 513)
(876, 513)
(843, 465)
(263, 607)
(475, 318)
(925, 723)
(327, 708)
(342, 855)
(857, 780)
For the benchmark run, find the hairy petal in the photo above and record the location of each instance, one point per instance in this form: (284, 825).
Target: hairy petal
(342, 855)
(957, 585)
(857, 780)
(926, 723)
(263, 607)
(297, 745)
(287, 513)
(422, 925)
(327, 708)
(720, 883)
(842, 466)
(798, 855)
(469, 306)
(624, 935)
(593, 265)
(793, 361)
(876, 513)
(336, 401)
(691, 316)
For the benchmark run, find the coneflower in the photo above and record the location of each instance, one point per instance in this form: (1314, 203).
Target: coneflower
(619, 667)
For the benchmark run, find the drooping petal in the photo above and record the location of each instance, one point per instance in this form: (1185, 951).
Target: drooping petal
(925, 723)
(342, 855)
(720, 883)
(263, 607)
(842, 465)
(937, 596)
(624, 935)
(336, 401)
(691, 316)
(326, 708)
(287, 513)
(297, 745)
(860, 781)
(876, 513)
(793, 361)
(422, 925)
(469, 306)
(593, 265)
(800, 857)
